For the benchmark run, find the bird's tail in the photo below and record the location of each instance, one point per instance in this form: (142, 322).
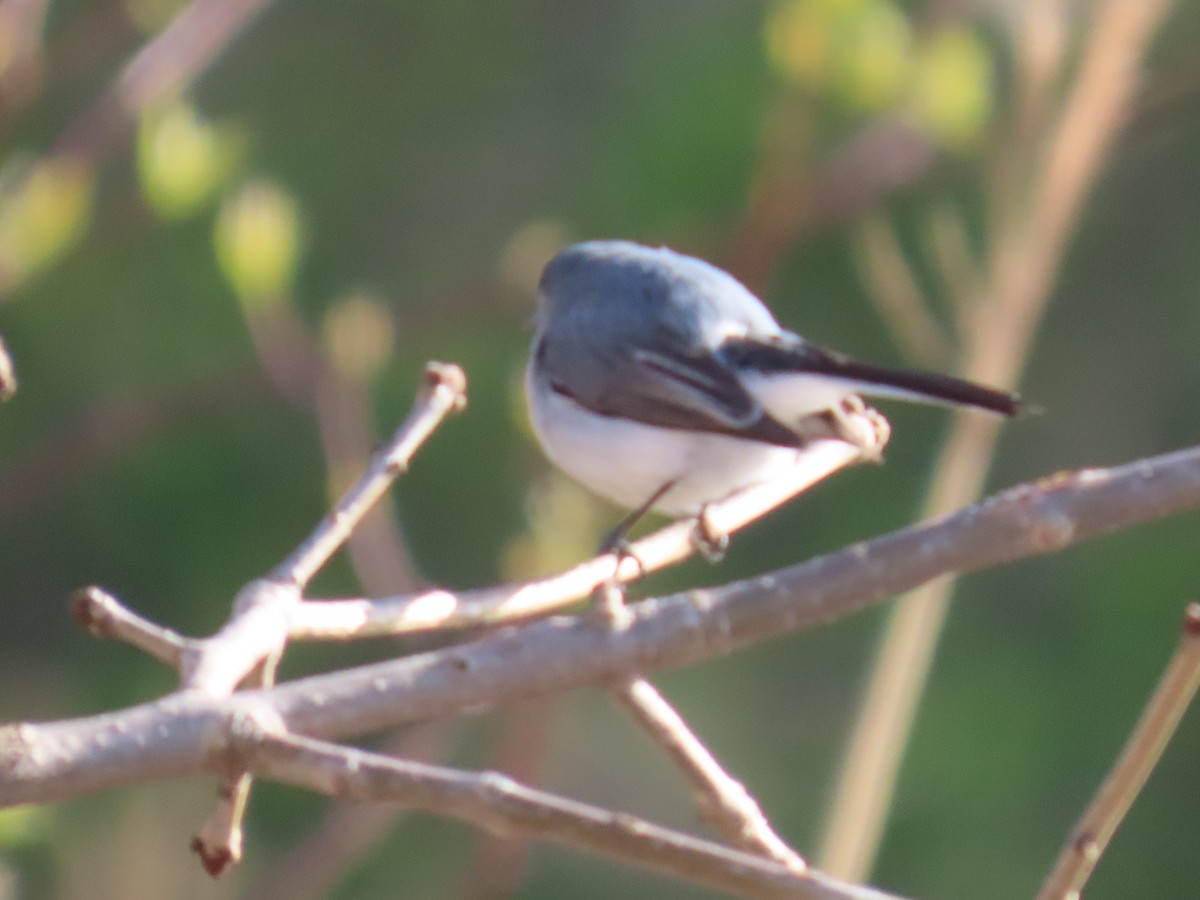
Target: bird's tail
(794, 355)
(924, 386)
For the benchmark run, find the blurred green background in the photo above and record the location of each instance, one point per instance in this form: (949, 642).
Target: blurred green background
(214, 310)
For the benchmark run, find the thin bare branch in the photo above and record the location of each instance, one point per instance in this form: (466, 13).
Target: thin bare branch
(256, 631)
(498, 803)
(311, 868)
(722, 799)
(444, 391)
(1145, 746)
(218, 842)
(259, 627)
(185, 733)
(103, 615)
(357, 618)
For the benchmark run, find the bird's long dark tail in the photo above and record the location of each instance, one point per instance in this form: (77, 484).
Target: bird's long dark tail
(797, 355)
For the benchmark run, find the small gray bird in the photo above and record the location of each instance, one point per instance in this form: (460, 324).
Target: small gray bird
(658, 381)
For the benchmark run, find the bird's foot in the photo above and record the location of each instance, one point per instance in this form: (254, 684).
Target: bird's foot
(709, 541)
(616, 543)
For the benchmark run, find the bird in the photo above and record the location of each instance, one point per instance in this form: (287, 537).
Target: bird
(659, 381)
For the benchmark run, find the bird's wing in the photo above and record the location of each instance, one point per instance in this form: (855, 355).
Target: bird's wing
(669, 385)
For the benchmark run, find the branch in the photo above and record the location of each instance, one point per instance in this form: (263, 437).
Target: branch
(259, 627)
(100, 614)
(162, 68)
(1159, 720)
(497, 803)
(312, 867)
(345, 619)
(722, 799)
(183, 734)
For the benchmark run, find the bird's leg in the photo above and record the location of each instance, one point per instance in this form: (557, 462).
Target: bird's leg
(616, 541)
(707, 539)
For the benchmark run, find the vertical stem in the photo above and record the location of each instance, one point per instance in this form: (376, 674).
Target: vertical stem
(1027, 249)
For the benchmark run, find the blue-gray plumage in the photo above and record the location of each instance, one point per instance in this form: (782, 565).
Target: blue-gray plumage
(655, 374)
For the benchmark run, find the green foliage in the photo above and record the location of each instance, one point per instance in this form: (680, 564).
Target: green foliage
(861, 56)
(183, 159)
(46, 210)
(258, 242)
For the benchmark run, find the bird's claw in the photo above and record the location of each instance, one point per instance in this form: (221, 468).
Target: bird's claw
(617, 544)
(709, 542)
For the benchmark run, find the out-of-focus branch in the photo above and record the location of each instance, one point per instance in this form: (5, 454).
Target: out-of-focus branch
(186, 733)
(900, 301)
(167, 64)
(8, 375)
(21, 23)
(112, 425)
(1166, 707)
(785, 205)
(1028, 240)
(501, 860)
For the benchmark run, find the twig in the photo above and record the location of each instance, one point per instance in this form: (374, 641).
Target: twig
(377, 549)
(345, 619)
(260, 625)
(444, 391)
(103, 615)
(1145, 746)
(723, 800)
(184, 733)
(218, 841)
(498, 803)
(1028, 246)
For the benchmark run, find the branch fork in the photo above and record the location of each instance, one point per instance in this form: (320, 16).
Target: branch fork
(271, 610)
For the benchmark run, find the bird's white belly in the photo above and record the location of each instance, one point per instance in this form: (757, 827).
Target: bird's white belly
(627, 461)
